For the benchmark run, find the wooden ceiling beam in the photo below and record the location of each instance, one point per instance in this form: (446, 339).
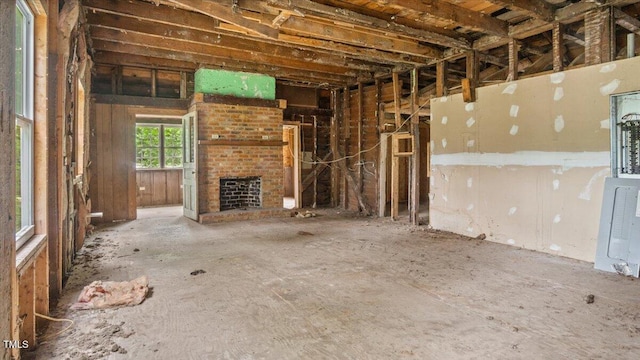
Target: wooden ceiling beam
(537, 9)
(221, 40)
(627, 21)
(355, 36)
(112, 16)
(174, 46)
(108, 52)
(456, 15)
(568, 14)
(228, 15)
(143, 61)
(310, 8)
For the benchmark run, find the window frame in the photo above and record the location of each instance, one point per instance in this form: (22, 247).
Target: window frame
(25, 120)
(161, 146)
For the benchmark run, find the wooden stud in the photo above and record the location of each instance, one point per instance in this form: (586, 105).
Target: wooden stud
(382, 174)
(468, 92)
(414, 196)
(513, 59)
(472, 68)
(359, 167)
(26, 313)
(558, 46)
(395, 186)
(183, 84)
(441, 78)
(154, 82)
(333, 143)
(314, 158)
(42, 285)
(346, 117)
(397, 99)
(599, 43)
(7, 177)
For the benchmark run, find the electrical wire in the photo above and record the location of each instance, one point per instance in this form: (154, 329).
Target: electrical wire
(50, 336)
(361, 151)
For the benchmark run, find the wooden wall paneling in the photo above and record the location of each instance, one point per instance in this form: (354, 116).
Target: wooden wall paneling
(174, 187)
(106, 163)
(94, 180)
(27, 285)
(159, 193)
(119, 162)
(129, 163)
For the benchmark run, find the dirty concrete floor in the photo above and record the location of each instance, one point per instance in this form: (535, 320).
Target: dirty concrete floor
(339, 287)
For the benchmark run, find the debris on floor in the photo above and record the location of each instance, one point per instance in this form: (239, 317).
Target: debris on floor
(622, 269)
(589, 299)
(197, 272)
(306, 214)
(482, 236)
(304, 233)
(105, 294)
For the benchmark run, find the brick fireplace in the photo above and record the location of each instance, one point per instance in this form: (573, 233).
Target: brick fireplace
(239, 145)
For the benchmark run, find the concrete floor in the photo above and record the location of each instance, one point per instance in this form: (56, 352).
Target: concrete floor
(338, 286)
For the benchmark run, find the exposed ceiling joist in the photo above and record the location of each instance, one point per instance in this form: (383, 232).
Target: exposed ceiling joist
(456, 15)
(538, 9)
(347, 16)
(227, 14)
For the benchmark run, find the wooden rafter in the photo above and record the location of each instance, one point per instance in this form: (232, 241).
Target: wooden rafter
(226, 14)
(457, 15)
(539, 9)
(317, 10)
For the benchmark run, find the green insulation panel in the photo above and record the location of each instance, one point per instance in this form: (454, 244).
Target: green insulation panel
(240, 84)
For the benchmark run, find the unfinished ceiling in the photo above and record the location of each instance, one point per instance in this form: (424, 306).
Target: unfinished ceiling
(341, 42)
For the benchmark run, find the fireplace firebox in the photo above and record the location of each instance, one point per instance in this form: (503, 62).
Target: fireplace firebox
(240, 193)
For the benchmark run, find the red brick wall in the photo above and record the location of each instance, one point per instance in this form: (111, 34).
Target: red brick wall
(236, 122)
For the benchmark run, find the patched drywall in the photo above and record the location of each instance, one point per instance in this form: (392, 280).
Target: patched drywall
(525, 164)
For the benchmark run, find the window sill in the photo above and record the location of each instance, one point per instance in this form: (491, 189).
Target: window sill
(28, 252)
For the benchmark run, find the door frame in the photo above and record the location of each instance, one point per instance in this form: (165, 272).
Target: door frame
(190, 151)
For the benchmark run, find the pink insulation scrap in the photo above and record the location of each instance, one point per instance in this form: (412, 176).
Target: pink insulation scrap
(105, 294)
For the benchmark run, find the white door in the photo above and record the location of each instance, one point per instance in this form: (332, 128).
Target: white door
(189, 165)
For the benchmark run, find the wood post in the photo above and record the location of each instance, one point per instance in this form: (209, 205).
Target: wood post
(154, 82)
(513, 59)
(314, 159)
(599, 36)
(333, 143)
(397, 99)
(7, 177)
(395, 161)
(558, 46)
(469, 84)
(414, 196)
(346, 115)
(441, 78)
(360, 175)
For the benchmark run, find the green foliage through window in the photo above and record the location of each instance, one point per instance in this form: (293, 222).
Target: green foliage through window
(158, 146)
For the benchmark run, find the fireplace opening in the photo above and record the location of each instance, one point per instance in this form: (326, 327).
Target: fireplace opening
(240, 193)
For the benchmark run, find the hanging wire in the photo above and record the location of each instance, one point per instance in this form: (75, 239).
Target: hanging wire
(361, 151)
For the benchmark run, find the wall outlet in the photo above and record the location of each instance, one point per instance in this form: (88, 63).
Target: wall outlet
(142, 188)
(265, 137)
(215, 136)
